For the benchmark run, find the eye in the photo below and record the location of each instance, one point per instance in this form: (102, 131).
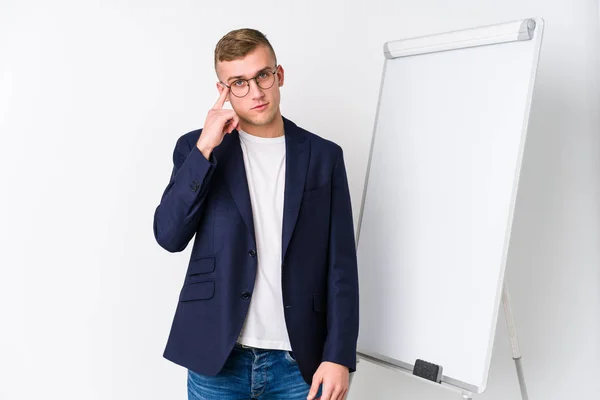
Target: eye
(263, 75)
(239, 83)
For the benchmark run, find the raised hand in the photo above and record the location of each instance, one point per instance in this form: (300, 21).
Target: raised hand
(218, 122)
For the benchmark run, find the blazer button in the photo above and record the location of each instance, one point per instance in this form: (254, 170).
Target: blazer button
(252, 253)
(245, 295)
(195, 186)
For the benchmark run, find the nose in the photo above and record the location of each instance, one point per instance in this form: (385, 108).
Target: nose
(255, 91)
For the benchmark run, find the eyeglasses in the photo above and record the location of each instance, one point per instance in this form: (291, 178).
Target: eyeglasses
(265, 79)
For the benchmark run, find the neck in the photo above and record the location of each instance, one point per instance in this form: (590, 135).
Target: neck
(271, 130)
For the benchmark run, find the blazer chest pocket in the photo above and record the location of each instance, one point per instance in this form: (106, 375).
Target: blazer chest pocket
(315, 210)
(316, 192)
(317, 200)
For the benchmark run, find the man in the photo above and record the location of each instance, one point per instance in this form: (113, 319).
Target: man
(269, 305)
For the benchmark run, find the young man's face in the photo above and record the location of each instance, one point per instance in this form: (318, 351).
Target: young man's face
(260, 106)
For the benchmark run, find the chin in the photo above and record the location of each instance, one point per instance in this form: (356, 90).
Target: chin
(260, 121)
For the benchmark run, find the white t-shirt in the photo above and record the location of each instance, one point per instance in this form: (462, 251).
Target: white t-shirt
(264, 159)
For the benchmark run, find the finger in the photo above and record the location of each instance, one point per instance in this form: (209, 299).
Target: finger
(232, 123)
(338, 393)
(314, 388)
(229, 127)
(327, 392)
(224, 116)
(344, 394)
(335, 394)
(221, 100)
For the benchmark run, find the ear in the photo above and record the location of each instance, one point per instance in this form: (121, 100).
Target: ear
(280, 75)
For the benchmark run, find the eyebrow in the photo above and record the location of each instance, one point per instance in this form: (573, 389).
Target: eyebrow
(241, 77)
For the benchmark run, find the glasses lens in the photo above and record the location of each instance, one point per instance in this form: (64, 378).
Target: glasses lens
(239, 88)
(265, 79)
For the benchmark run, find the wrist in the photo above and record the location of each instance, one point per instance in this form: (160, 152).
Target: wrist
(204, 149)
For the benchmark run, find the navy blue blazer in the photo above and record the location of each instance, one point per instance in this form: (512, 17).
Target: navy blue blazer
(210, 199)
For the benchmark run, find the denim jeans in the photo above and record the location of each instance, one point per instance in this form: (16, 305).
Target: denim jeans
(251, 374)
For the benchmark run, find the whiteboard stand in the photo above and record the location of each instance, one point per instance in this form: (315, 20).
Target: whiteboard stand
(514, 342)
(433, 162)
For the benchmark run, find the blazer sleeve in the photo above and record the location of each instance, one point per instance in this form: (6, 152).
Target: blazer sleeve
(342, 291)
(180, 208)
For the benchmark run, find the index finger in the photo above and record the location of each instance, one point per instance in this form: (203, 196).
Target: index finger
(221, 100)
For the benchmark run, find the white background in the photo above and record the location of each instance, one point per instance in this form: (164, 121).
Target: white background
(93, 95)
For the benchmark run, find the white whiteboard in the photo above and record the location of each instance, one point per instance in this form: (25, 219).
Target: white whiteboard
(438, 203)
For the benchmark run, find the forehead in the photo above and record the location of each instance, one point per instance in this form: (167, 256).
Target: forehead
(248, 66)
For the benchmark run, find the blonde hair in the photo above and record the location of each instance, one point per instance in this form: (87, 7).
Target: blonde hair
(239, 43)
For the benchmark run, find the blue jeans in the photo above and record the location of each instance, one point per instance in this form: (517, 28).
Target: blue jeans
(251, 374)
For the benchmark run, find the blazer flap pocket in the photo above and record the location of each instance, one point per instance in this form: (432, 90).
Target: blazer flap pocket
(198, 291)
(202, 265)
(319, 302)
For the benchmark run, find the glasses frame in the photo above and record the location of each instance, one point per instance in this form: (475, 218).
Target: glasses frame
(255, 79)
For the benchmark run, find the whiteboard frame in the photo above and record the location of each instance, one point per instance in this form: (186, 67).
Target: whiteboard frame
(480, 36)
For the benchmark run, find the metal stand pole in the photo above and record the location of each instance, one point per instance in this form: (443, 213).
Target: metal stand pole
(514, 342)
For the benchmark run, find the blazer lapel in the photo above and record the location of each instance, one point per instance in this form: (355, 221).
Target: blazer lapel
(229, 154)
(296, 166)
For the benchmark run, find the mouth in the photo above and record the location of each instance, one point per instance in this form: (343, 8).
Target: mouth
(260, 107)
